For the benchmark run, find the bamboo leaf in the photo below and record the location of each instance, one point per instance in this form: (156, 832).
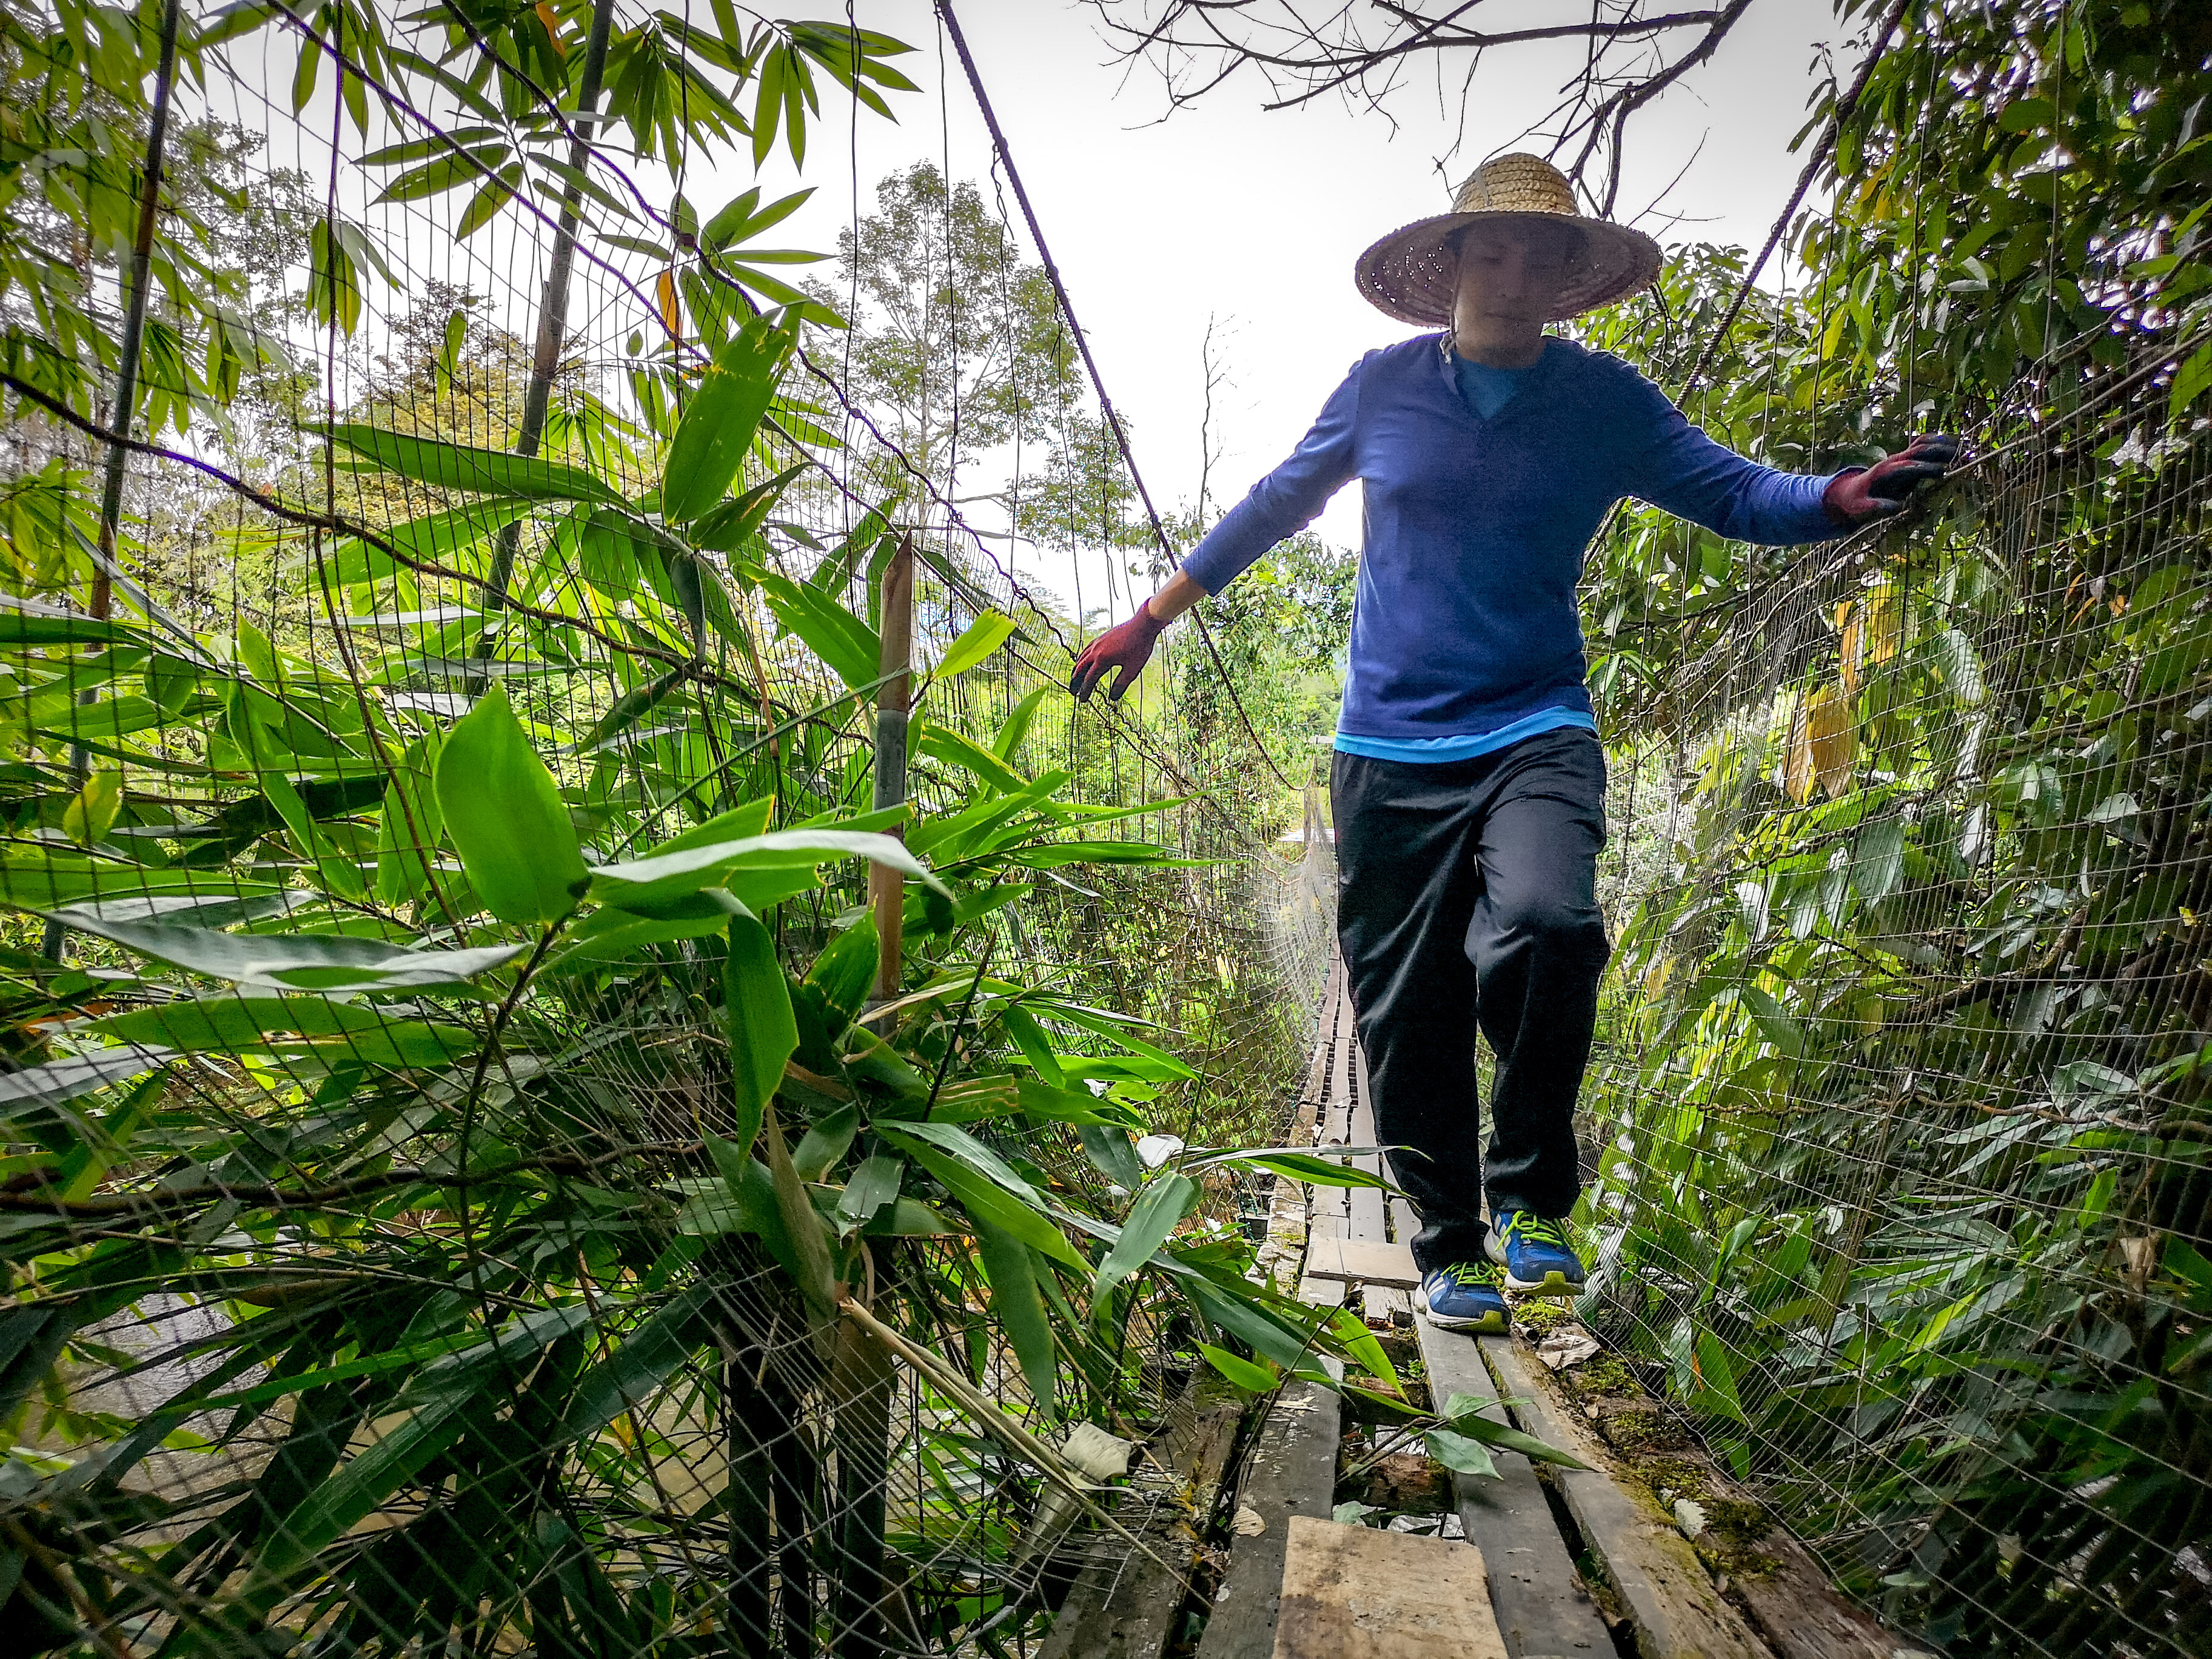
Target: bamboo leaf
(437, 1407)
(874, 1185)
(484, 471)
(827, 1140)
(505, 817)
(1311, 1169)
(1019, 1308)
(802, 1224)
(92, 812)
(845, 970)
(483, 207)
(308, 962)
(1459, 1453)
(648, 1356)
(1253, 1378)
(410, 826)
(261, 1025)
(984, 1200)
(1159, 1207)
(1234, 1313)
(716, 432)
(1465, 1414)
(980, 638)
(783, 849)
(763, 1032)
(841, 640)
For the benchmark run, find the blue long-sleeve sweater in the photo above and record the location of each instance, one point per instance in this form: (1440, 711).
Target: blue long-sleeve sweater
(1465, 622)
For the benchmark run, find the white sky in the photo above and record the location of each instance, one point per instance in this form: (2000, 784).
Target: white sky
(1253, 217)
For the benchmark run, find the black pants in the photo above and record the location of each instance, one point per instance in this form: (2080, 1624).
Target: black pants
(1467, 891)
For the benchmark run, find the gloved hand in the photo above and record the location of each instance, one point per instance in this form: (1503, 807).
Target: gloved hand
(1868, 493)
(1127, 645)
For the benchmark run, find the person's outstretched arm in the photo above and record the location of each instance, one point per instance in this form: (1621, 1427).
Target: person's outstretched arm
(1681, 469)
(1280, 504)
(1128, 646)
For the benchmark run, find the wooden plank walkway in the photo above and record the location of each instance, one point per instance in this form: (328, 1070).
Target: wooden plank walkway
(1535, 1533)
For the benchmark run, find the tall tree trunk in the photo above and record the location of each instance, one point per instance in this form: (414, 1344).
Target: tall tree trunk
(553, 308)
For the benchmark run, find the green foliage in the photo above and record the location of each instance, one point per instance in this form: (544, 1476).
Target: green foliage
(462, 1005)
(505, 817)
(1905, 1143)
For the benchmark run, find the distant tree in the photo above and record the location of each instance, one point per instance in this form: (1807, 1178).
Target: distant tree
(956, 344)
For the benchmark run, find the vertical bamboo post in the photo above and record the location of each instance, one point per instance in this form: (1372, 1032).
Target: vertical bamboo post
(886, 886)
(860, 1386)
(749, 1428)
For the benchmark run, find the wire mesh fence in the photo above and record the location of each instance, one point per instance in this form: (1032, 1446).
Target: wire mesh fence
(481, 1169)
(1899, 1124)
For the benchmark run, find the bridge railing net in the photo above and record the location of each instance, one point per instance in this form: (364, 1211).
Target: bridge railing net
(1899, 1114)
(359, 1300)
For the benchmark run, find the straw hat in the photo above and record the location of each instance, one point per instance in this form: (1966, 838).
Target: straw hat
(1411, 274)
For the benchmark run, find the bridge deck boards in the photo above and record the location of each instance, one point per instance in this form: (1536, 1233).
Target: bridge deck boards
(1542, 1604)
(1544, 1609)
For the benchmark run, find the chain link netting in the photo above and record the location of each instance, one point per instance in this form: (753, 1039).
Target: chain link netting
(366, 1297)
(1900, 1142)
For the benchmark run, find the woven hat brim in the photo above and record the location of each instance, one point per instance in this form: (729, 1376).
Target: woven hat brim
(1409, 274)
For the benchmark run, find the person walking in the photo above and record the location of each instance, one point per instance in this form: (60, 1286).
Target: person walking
(1468, 784)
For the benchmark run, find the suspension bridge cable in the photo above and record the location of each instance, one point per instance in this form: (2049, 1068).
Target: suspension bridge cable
(1090, 364)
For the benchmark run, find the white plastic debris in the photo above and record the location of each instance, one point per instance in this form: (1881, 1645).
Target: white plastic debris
(1153, 1151)
(1248, 1524)
(1566, 1346)
(1101, 1456)
(1097, 1455)
(1690, 1516)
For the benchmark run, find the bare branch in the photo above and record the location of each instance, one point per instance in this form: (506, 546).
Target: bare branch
(1304, 52)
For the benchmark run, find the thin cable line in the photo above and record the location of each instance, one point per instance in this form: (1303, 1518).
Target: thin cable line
(1091, 363)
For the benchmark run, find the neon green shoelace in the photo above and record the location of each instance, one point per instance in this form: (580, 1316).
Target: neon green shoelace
(1536, 1229)
(1472, 1275)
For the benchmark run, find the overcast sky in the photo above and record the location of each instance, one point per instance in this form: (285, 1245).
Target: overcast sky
(1253, 218)
(1226, 213)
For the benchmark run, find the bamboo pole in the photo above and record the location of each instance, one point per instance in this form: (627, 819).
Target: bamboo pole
(750, 1430)
(986, 1415)
(860, 1387)
(887, 886)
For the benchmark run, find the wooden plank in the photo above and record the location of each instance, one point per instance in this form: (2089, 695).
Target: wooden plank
(1291, 1472)
(1322, 1292)
(1784, 1591)
(1327, 1217)
(1803, 1615)
(1368, 1218)
(1129, 1605)
(1363, 1261)
(1543, 1606)
(1316, 1078)
(1354, 1593)
(1336, 1119)
(1676, 1611)
(1404, 1223)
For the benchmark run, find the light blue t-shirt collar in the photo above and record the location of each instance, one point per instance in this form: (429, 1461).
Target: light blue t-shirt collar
(1488, 389)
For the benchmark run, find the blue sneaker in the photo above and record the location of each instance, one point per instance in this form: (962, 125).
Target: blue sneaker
(1465, 1297)
(1535, 1254)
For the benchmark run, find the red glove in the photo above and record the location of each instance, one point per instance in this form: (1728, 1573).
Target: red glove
(1127, 647)
(1866, 493)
